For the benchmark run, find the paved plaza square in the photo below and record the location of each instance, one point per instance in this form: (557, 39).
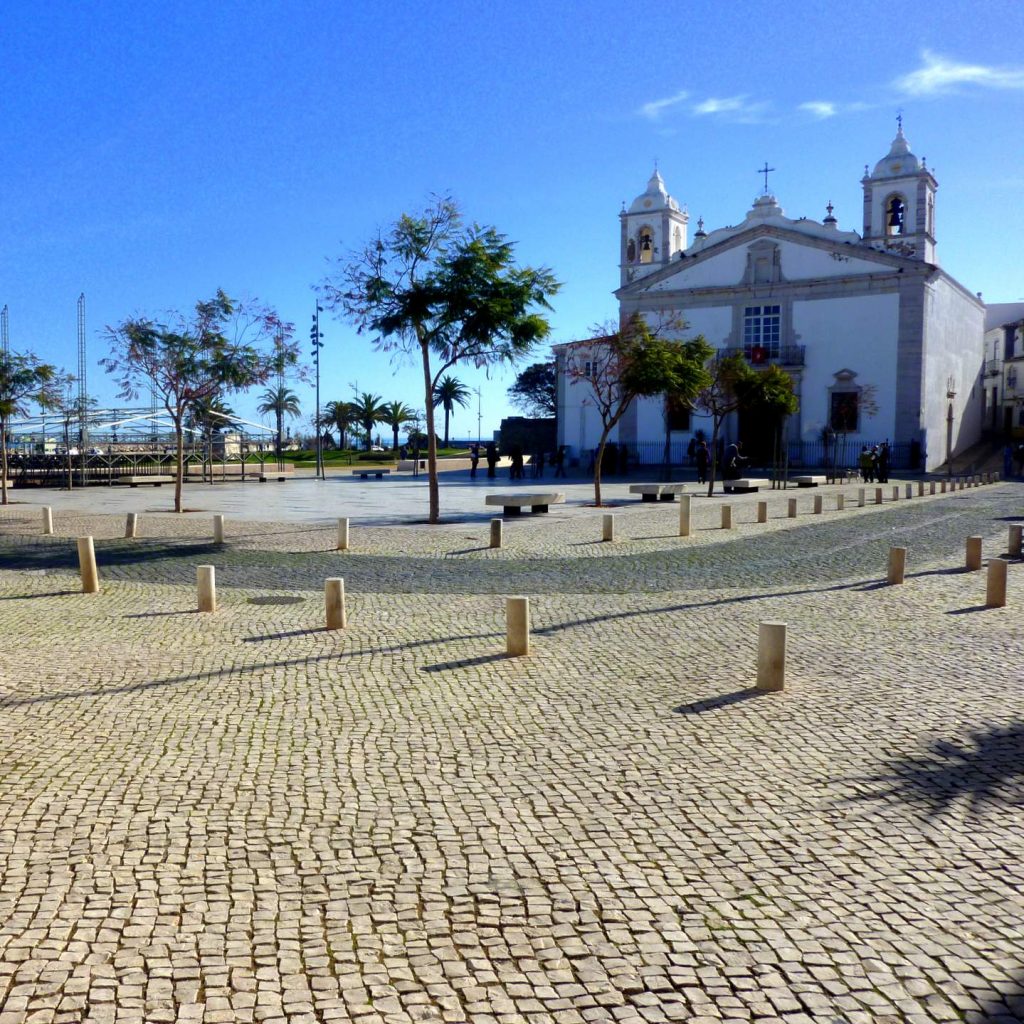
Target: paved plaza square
(241, 816)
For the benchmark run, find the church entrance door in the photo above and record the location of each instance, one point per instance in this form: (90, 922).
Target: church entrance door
(758, 432)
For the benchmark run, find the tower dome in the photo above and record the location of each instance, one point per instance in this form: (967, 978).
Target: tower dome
(655, 198)
(899, 161)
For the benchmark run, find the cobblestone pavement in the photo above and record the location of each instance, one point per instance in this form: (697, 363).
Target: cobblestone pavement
(243, 817)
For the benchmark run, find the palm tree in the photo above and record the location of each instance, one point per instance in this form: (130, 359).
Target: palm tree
(449, 391)
(281, 401)
(395, 414)
(338, 416)
(368, 410)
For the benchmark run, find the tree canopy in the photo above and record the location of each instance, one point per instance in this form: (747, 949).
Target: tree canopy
(535, 389)
(23, 379)
(189, 360)
(433, 287)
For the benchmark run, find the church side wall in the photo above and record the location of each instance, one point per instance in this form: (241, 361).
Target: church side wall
(858, 334)
(954, 348)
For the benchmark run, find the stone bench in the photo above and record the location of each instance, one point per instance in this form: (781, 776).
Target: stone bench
(156, 479)
(745, 484)
(809, 481)
(657, 492)
(365, 474)
(276, 474)
(513, 504)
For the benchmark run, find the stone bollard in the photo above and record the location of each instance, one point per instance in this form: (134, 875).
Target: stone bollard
(973, 560)
(931, 487)
(910, 492)
(607, 527)
(87, 566)
(995, 476)
(840, 502)
(792, 508)
(684, 515)
(878, 495)
(961, 487)
(817, 504)
(896, 493)
(517, 623)
(334, 603)
(343, 534)
(218, 529)
(762, 511)
(771, 656)
(207, 586)
(943, 491)
(920, 489)
(727, 517)
(897, 565)
(496, 525)
(995, 583)
(47, 520)
(861, 494)
(131, 525)
(1014, 544)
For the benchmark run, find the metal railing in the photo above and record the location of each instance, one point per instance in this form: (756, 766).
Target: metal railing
(786, 355)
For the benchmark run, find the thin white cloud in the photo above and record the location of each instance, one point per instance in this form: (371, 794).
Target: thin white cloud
(821, 109)
(656, 108)
(720, 106)
(938, 75)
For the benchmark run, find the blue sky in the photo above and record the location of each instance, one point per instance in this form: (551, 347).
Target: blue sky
(156, 152)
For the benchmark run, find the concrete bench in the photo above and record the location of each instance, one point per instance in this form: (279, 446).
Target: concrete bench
(809, 481)
(745, 484)
(156, 479)
(276, 474)
(365, 474)
(513, 504)
(657, 492)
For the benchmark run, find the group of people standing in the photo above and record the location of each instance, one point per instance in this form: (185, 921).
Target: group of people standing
(874, 463)
(517, 468)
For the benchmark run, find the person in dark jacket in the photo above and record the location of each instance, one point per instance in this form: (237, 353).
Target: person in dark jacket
(703, 459)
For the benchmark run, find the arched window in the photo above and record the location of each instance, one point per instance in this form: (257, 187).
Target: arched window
(631, 251)
(678, 240)
(646, 239)
(895, 215)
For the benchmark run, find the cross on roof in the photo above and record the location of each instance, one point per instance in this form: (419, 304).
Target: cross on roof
(765, 171)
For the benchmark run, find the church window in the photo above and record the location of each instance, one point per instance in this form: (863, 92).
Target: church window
(678, 415)
(678, 240)
(646, 238)
(895, 216)
(844, 411)
(631, 251)
(761, 333)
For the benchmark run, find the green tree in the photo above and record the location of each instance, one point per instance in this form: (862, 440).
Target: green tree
(218, 349)
(446, 293)
(622, 365)
(23, 379)
(734, 385)
(535, 390)
(339, 416)
(281, 401)
(396, 414)
(449, 391)
(368, 410)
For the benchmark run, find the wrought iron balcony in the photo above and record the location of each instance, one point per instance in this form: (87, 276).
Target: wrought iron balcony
(993, 367)
(786, 355)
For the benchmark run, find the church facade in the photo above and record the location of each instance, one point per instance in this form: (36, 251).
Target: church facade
(880, 342)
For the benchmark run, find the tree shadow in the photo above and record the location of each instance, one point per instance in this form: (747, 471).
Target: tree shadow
(986, 771)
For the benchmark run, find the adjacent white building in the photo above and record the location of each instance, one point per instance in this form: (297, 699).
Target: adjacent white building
(881, 343)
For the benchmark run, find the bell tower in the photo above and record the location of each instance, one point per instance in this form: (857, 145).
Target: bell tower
(653, 231)
(899, 203)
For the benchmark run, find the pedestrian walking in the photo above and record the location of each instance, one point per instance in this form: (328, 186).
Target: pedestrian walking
(560, 461)
(703, 459)
(474, 458)
(492, 459)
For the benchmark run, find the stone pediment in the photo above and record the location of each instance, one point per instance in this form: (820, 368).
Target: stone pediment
(766, 253)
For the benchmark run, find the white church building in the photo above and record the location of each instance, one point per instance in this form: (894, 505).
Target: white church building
(880, 341)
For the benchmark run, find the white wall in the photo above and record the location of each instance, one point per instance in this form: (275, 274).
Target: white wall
(806, 261)
(859, 334)
(954, 348)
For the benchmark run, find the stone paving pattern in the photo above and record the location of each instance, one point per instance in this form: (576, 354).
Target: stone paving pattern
(243, 817)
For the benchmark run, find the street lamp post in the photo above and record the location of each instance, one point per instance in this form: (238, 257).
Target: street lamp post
(950, 395)
(479, 415)
(315, 335)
